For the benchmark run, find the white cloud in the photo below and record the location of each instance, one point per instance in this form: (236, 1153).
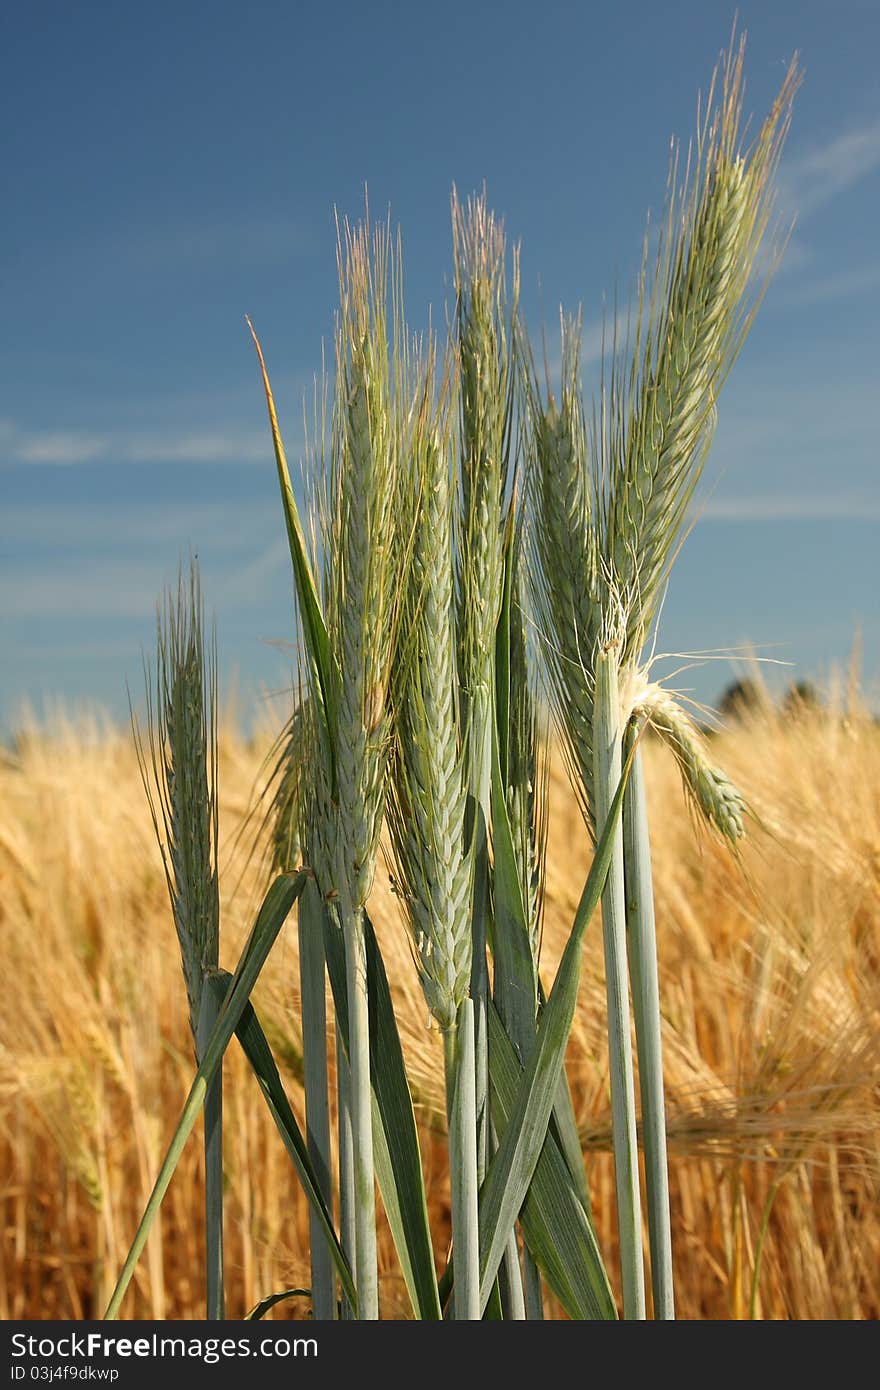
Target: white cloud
(56, 653)
(251, 581)
(796, 257)
(230, 527)
(792, 507)
(598, 339)
(811, 180)
(199, 447)
(69, 447)
(104, 561)
(767, 415)
(96, 589)
(90, 586)
(828, 288)
(794, 448)
(212, 242)
(56, 446)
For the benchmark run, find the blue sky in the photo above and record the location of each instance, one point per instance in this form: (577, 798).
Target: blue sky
(170, 168)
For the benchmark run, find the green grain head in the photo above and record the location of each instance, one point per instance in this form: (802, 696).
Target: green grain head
(433, 861)
(693, 313)
(485, 313)
(179, 768)
(563, 552)
(363, 548)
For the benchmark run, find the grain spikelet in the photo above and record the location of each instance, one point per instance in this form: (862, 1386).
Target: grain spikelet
(434, 864)
(179, 771)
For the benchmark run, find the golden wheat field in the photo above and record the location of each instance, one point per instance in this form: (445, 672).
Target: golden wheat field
(770, 984)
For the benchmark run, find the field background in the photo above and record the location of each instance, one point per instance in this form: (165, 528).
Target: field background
(770, 984)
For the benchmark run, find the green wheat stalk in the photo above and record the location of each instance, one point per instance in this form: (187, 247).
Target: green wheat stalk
(484, 318)
(525, 767)
(433, 856)
(349, 747)
(179, 771)
(609, 502)
(289, 825)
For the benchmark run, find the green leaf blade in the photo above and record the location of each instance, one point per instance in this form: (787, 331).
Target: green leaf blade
(395, 1137)
(557, 1229)
(279, 899)
(507, 1181)
(258, 1052)
(321, 664)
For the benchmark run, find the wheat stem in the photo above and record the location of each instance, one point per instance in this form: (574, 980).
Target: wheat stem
(361, 1115)
(642, 940)
(346, 1166)
(534, 1292)
(314, 1036)
(607, 740)
(479, 982)
(462, 1115)
(213, 1121)
(510, 1280)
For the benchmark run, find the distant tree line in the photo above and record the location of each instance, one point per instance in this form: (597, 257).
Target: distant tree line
(744, 698)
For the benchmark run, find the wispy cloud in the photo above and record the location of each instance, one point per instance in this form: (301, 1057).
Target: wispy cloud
(108, 560)
(230, 527)
(807, 183)
(59, 446)
(251, 581)
(42, 653)
(798, 417)
(127, 587)
(197, 246)
(212, 242)
(796, 257)
(199, 447)
(599, 337)
(597, 342)
(828, 288)
(854, 506)
(55, 446)
(811, 180)
(100, 589)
